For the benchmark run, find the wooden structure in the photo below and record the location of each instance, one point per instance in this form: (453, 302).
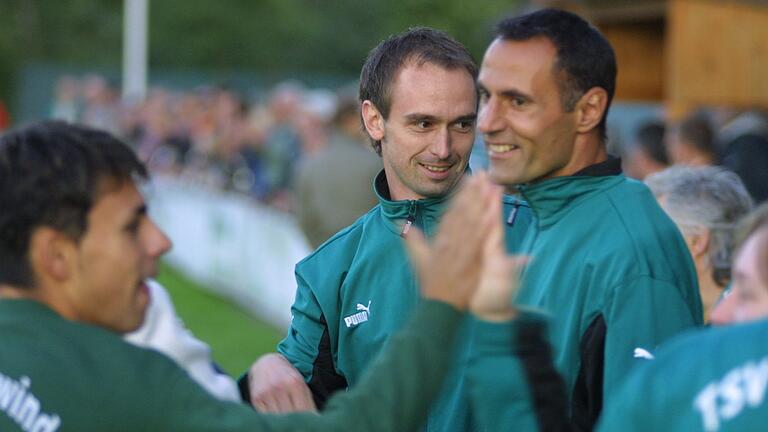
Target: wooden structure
(687, 53)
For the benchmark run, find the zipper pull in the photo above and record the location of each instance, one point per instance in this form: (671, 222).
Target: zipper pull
(407, 226)
(409, 221)
(513, 214)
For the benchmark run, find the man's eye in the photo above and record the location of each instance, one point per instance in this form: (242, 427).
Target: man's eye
(133, 227)
(465, 125)
(518, 101)
(424, 124)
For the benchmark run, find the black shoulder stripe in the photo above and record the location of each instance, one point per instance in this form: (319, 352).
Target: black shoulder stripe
(548, 390)
(587, 399)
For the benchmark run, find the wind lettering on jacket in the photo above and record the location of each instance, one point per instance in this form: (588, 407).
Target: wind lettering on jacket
(724, 399)
(359, 317)
(19, 404)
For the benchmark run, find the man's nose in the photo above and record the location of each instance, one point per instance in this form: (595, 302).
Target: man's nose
(441, 147)
(489, 118)
(157, 243)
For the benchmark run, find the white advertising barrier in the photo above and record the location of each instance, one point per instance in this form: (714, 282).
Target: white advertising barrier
(236, 247)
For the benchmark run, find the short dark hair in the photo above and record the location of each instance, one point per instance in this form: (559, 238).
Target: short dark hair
(420, 45)
(650, 137)
(584, 55)
(51, 174)
(696, 130)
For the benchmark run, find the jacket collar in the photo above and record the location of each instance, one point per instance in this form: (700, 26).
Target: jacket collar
(550, 199)
(608, 167)
(424, 213)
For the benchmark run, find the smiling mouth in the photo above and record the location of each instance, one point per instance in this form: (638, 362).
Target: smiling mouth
(435, 168)
(501, 148)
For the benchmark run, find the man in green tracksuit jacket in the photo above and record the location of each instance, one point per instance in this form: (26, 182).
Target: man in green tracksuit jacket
(354, 293)
(727, 392)
(76, 249)
(356, 289)
(712, 380)
(606, 262)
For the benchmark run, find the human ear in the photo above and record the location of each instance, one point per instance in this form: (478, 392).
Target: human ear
(373, 120)
(51, 254)
(700, 243)
(590, 109)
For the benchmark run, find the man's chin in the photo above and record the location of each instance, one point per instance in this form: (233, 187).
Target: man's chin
(504, 177)
(439, 189)
(135, 321)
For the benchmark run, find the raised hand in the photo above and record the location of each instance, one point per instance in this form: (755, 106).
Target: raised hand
(500, 277)
(449, 267)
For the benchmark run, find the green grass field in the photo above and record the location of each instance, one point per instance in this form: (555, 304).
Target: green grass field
(235, 337)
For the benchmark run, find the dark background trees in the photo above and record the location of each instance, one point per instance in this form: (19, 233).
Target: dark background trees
(277, 37)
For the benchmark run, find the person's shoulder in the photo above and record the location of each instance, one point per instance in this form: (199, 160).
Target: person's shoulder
(637, 216)
(627, 194)
(709, 344)
(712, 352)
(101, 346)
(100, 355)
(631, 233)
(95, 366)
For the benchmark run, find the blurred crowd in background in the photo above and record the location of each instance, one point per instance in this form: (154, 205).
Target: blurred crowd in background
(269, 147)
(302, 151)
(736, 140)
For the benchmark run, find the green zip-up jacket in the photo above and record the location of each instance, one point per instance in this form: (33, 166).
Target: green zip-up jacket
(708, 380)
(712, 380)
(61, 376)
(356, 290)
(613, 272)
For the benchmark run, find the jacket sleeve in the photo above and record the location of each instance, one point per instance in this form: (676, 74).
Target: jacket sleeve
(418, 358)
(308, 345)
(513, 383)
(643, 313)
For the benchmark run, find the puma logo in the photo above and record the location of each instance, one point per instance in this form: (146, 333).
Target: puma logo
(359, 317)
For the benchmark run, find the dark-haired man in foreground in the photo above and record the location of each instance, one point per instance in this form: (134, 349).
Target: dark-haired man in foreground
(76, 247)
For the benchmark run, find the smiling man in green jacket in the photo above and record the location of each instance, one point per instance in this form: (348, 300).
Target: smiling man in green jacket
(606, 262)
(418, 105)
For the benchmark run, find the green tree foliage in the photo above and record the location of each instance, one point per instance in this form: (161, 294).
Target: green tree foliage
(68, 33)
(269, 36)
(328, 36)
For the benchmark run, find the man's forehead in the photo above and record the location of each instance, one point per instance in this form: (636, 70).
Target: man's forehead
(118, 198)
(431, 89)
(507, 58)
